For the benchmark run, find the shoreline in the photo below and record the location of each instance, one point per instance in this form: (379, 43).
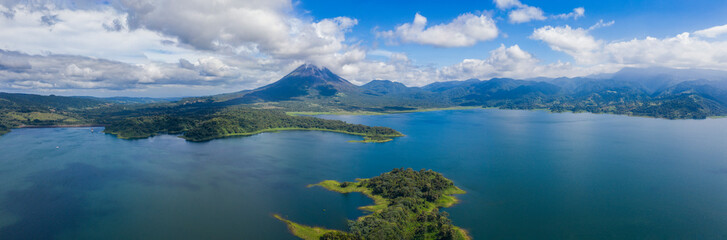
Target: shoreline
(370, 113)
(289, 129)
(61, 126)
(365, 140)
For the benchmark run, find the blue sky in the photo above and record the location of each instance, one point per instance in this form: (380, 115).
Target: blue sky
(195, 47)
(632, 19)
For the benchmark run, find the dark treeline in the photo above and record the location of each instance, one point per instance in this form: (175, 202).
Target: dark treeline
(233, 121)
(412, 211)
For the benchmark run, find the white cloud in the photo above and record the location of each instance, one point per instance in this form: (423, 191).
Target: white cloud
(507, 4)
(55, 71)
(176, 29)
(266, 27)
(510, 62)
(577, 13)
(680, 51)
(601, 24)
(526, 14)
(243, 44)
(712, 32)
(576, 42)
(465, 30)
(81, 32)
(522, 13)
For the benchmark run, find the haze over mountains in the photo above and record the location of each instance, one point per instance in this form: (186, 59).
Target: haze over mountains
(654, 92)
(658, 92)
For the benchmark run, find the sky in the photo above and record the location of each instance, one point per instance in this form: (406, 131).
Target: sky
(174, 48)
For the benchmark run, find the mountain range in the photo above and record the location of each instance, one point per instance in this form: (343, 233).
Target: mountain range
(656, 92)
(653, 92)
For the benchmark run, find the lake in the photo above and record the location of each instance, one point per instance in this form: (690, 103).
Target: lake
(528, 174)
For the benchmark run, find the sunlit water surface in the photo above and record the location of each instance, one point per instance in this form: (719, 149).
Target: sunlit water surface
(528, 174)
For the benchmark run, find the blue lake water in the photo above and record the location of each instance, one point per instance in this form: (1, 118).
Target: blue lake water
(529, 174)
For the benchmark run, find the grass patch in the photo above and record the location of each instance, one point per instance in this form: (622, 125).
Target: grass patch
(39, 116)
(379, 202)
(303, 231)
(374, 139)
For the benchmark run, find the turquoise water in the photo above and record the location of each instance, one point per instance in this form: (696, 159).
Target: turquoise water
(529, 174)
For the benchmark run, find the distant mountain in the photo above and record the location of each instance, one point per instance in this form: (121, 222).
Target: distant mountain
(655, 79)
(443, 86)
(33, 101)
(306, 81)
(387, 87)
(139, 99)
(714, 90)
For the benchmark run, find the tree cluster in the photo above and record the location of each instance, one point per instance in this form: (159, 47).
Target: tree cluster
(410, 213)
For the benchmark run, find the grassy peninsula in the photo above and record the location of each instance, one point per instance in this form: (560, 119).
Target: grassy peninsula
(406, 206)
(238, 122)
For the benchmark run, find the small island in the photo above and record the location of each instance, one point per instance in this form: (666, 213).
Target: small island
(406, 206)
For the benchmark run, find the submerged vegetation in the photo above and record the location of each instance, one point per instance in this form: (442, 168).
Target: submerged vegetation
(406, 206)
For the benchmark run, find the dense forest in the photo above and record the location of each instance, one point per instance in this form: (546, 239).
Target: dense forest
(235, 121)
(407, 207)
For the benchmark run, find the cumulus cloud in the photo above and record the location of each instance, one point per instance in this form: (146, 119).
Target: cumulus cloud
(86, 33)
(522, 13)
(680, 51)
(252, 26)
(684, 50)
(577, 13)
(712, 32)
(576, 42)
(465, 30)
(507, 4)
(246, 43)
(510, 62)
(23, 71)
(526, 14)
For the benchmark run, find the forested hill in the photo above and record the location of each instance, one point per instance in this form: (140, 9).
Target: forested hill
(18, 109)
(236, 122)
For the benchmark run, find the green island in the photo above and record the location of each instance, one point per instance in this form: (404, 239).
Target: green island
(406, 206)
